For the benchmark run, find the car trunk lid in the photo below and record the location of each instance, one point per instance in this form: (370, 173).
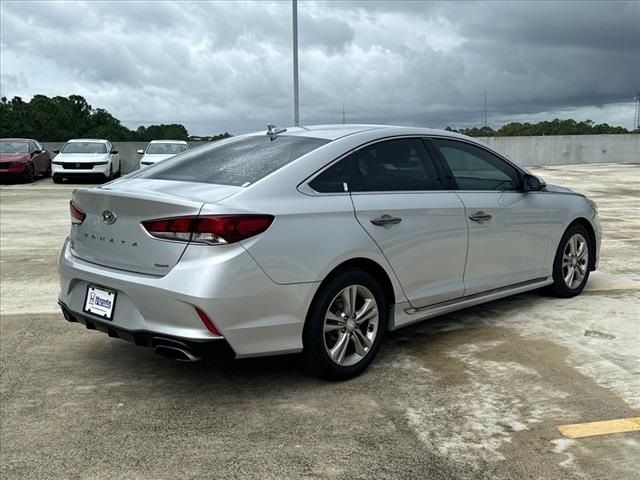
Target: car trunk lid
(111, 233)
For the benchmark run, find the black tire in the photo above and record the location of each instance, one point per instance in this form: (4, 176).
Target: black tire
(57, 179)
(316, 358)
(30, 176)
(47, 172)
(559, 287)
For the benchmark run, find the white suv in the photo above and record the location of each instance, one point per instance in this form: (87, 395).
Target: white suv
(160, 149)
(86, 158)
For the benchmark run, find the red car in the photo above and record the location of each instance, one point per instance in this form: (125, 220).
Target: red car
(23, 158)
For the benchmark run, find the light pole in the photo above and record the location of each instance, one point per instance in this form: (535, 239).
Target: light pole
(296, 106)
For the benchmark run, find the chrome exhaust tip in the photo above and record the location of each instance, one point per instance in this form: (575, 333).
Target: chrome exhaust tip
(175, 353)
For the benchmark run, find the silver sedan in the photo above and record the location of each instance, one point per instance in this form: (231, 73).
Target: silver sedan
(316, 240)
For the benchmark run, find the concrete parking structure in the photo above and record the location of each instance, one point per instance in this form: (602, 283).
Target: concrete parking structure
(476, 394)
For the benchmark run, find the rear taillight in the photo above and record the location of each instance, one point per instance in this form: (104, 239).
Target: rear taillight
(77, 215)
(209, 229)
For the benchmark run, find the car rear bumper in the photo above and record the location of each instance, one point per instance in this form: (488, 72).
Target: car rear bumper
(254, 315)
(214, 348)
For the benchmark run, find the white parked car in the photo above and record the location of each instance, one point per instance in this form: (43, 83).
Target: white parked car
(86, 158)
(160, 149)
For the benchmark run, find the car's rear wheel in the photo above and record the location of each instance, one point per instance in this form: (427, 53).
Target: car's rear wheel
(345, 325)
(572, 262)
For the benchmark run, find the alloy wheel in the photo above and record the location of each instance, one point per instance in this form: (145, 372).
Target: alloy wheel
(575, 261)
(351, 325)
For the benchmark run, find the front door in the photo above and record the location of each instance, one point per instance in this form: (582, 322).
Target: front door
(508, 228)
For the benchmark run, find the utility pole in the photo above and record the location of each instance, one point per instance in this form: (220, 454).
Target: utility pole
(485, 109)
(636, 118)
(296, 105)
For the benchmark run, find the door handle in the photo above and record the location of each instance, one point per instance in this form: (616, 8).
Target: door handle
(480, 217)
(385, 220)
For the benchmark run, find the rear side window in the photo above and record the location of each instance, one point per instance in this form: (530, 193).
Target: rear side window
(238, 163)
(474, 168)
(400, 165)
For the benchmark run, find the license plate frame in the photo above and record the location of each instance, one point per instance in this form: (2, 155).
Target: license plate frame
(97, 304)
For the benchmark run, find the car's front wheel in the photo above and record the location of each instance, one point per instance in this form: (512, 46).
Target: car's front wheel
(572, 262)
(344, 326)
(30, 173)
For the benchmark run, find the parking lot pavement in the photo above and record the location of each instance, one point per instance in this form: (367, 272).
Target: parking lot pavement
(475, 394)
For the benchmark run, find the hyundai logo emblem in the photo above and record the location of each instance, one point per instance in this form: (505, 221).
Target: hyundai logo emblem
(108, 217)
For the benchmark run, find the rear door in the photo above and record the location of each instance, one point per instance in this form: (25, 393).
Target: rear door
(508, 228)
(419, 226)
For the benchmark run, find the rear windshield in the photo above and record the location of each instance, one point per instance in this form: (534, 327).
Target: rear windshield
(239, 163)
(165, 148)
(85, 147)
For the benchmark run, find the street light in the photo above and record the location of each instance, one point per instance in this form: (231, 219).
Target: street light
(296, 106)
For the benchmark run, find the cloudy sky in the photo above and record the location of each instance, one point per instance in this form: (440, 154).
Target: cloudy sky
(218, 66)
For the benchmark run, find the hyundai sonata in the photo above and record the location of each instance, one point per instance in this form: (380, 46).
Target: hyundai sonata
(316, 240)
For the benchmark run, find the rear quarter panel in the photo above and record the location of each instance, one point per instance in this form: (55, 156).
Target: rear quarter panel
(311, 236)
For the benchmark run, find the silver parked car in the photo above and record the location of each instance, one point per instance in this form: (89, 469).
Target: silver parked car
(316, 240)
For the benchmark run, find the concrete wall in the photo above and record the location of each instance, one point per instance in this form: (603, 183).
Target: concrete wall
(527, 151)
(568, 149)
(129, 159)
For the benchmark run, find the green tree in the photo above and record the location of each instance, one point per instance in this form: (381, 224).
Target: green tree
(57, 119)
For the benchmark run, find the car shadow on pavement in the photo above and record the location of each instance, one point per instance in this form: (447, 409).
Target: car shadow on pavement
(278, 372)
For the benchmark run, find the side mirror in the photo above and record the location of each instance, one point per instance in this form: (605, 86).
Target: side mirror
(113, 152)
(532, 183)
(140, 152)
(56, 151)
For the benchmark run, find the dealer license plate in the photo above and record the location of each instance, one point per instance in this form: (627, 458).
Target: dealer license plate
(100, 302)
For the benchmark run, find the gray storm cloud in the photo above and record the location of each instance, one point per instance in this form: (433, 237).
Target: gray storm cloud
(227, 66)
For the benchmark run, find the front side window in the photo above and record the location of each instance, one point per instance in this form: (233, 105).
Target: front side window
(239, 162)
(165, 148)
(474, 168)
(84, 147)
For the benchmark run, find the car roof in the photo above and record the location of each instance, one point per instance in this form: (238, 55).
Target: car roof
(23, 140)
(334, 132)
(168, 141)
(98, 140)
